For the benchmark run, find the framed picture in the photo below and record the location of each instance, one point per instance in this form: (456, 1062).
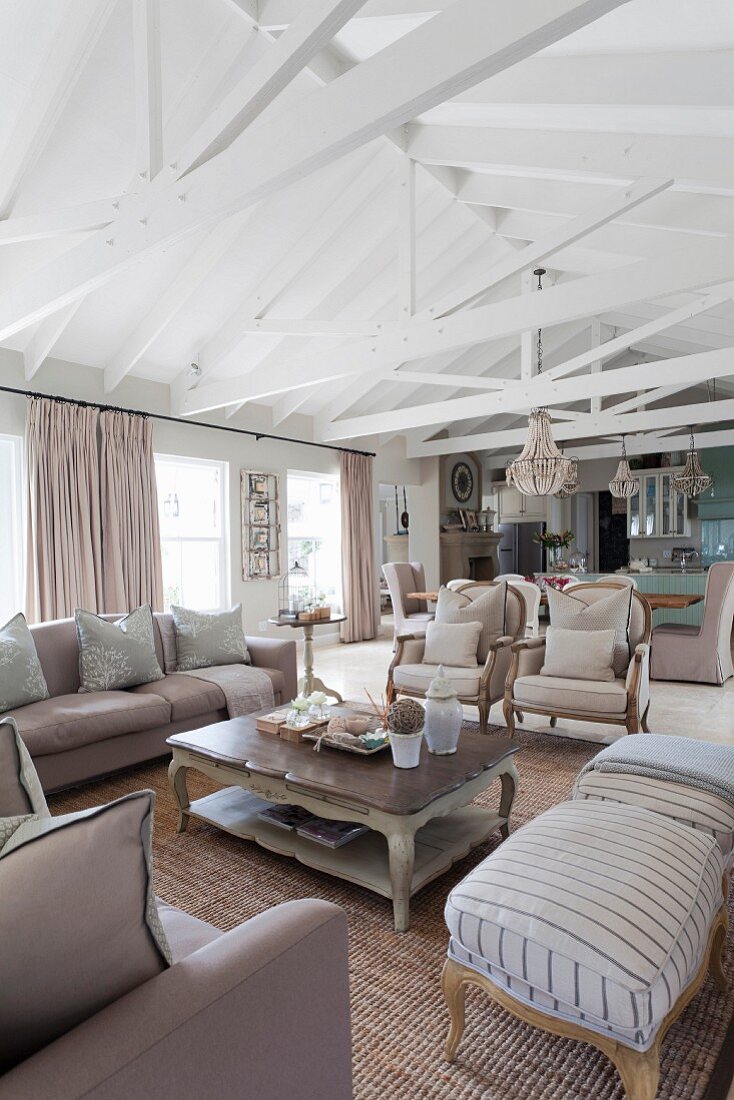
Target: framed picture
(463, 519)
(260, 520)
(259, 538)
(472, 521)
(259, 513)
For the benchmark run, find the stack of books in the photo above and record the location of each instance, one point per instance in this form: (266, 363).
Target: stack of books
(332, 834)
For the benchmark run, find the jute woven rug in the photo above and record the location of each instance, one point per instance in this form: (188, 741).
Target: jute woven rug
(398, 1017)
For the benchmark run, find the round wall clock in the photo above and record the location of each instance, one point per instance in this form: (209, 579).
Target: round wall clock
(462, 482)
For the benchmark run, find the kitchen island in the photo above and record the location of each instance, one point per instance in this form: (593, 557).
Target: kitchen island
(692, 582)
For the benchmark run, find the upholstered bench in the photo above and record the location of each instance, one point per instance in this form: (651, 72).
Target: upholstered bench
(688, 780)
(596, 921)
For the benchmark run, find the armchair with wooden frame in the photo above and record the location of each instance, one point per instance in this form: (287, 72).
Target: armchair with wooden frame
(475, 687)
(623, 702)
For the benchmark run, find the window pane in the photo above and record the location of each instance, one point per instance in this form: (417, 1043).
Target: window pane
(191, 503)
(314, 531)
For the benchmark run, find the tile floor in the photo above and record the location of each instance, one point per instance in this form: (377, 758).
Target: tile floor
(694, 710)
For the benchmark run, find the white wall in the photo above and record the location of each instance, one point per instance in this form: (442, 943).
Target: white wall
(258, 598)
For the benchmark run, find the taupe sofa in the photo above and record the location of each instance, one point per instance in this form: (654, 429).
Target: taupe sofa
(74, 737)
(259, 1012)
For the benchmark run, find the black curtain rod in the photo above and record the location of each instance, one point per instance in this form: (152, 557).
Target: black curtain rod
(177, 420)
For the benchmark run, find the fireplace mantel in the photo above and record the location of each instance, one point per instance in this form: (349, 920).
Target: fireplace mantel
(470, 554)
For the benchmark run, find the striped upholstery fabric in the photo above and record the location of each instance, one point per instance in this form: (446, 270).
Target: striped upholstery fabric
(594, 912)
(701, 810)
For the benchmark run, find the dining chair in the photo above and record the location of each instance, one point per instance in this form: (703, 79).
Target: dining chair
(699, 654)
(531, 595)
(411, 616)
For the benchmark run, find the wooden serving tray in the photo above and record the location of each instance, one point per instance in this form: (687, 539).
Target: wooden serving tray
(326, 740)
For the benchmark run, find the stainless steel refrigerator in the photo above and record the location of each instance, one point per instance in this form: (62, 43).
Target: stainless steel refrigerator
(518, 553)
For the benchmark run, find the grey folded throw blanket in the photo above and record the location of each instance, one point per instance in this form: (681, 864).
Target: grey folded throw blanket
(704, 765)
(246, 688)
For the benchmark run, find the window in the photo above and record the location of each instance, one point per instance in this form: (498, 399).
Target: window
(11, 528)
(192, 495)
(314, 531)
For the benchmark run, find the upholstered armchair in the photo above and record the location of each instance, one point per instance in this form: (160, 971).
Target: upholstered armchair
(624, 701)
(480, 686)
(410, 615)
(699, 653)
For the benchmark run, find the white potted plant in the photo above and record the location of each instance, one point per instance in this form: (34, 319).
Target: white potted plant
(405, 720)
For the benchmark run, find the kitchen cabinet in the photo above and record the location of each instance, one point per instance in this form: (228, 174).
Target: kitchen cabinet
(657, 511)
(514, 507)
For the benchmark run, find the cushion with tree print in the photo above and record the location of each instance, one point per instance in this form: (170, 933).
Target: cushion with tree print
(114, 655)
(206, 638)
(21, 676)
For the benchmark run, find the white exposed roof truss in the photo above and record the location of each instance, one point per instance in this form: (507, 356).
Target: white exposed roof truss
(442, 152)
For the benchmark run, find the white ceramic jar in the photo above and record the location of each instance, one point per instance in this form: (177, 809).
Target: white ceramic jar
(444, 715)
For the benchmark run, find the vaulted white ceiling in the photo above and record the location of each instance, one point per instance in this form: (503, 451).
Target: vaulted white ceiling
(334, 208)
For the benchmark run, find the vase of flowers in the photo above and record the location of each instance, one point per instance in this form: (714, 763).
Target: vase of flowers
(298, 713)
(405, 720)
(554, 542)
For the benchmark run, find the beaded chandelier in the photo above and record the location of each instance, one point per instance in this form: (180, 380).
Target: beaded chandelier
(540, 470)
(623, 485)
(572, 485)
(693, 480)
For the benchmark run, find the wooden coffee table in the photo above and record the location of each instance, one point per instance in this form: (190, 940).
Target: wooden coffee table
(421, 819)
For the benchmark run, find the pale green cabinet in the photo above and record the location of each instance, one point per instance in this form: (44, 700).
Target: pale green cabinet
(514, 507)
(657, 511)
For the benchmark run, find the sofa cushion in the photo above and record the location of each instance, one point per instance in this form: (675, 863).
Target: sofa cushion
(604, 613)
(21, 676)
(592, 911)
(574, 696)
(418, 677)
(486, 607)
(278, 681)
(586, 655)
(68, 721)
(20, 788)
(453, 644)
(119, 654)
(188, 697)
(209, 638)
(184, 933)
(78, 923)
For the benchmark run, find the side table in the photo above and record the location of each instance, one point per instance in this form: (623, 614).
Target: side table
(308, 682)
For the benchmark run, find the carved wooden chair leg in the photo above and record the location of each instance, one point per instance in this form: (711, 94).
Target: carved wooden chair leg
(553, 721)
(716, 959)
(483, 708)
(645, 727)
(640, 1071)
(454, 991)
(520, 716)
(509, 716)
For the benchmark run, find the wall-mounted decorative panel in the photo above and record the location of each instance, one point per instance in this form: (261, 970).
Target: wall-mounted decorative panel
(260, 514)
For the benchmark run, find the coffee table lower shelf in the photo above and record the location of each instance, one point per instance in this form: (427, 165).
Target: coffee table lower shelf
(364, 861)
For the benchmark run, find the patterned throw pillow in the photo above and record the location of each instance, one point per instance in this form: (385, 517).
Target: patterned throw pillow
(487, 608)
(609, 613)
(21, 676)
(116, 655)
(206, 638)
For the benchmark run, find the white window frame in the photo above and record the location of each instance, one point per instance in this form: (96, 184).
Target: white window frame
(224, 549)
(17, 512)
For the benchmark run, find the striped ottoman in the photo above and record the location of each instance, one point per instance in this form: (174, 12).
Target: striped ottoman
(688, 780)
(595, 921)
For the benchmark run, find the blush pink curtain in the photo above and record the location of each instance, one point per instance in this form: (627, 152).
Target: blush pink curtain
(64, 545)
(131, 541)
(358, 556)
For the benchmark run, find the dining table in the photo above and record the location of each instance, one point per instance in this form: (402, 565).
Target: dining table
(669, 601)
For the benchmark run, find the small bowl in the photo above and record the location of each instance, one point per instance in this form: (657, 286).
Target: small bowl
(356, 724)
